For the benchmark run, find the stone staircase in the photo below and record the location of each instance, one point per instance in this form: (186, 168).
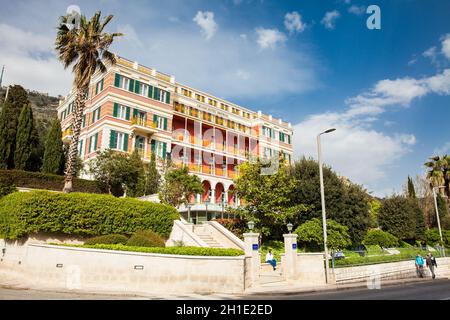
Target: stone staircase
(202, 232)
(267, 275)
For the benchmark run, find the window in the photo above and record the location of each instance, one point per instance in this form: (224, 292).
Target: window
(235, 111)
(121, 112)
(162, 96)
(96, 114)
(93, 140)
(185, 92)
(212, 102)
(199, 97)
(159, 148)
(223, 107)
(267, 152)
(83, 123)
(161, 122)
(142, 89)
(118, 140)
(99, 87)
(124, 83)
(80, 148)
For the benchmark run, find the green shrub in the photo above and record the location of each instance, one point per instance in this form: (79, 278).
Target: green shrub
(107, 239)
(381, 238)
(47, 181)
(189, 251)
(23, 213)
(432, 236)
(403, 244)
(146, 238)
(446, 236)
(6, 189)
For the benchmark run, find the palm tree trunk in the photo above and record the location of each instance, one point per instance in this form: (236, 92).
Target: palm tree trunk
(73, 148)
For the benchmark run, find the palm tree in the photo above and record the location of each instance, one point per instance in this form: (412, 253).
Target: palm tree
(439, 172)
(86, 47)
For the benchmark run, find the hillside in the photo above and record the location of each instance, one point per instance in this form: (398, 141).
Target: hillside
(44, 108)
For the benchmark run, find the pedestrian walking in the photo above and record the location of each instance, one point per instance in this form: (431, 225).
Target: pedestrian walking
(270, 259)
(431, 263)
(419, 265)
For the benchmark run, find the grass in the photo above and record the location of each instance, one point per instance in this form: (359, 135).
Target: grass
(377, 255)
(190, 251)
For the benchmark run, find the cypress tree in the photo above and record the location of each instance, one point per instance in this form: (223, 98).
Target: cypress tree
(53, 153)
(27, 141)
(9, 119)
(152, 179)
(411, 190)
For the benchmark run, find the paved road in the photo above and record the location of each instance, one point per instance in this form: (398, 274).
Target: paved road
(428, 290)
(438, 289)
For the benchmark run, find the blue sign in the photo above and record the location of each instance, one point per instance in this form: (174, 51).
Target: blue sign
(255, 246)
(294, 246)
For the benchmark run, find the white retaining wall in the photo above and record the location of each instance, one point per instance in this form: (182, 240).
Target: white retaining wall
(56, 267)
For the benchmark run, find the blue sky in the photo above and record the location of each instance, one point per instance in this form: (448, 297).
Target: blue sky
(313, 63)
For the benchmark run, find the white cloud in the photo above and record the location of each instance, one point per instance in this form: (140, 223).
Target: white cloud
(446, 46)
(31, 62)
(206, 22)
(358, 10)
(329, 20)
(293, 22)
(129, 35)
(269, 38)
(356, 149)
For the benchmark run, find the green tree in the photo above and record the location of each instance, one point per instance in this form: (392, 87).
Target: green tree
(401, 217)
(86, 48)
(374, 209)
(179, 186)
(9, 118)
(310, 235)
(135, 187)
(346, 203)
(116, 172)
(152, 177)
(411, 190)
(268, 198)
(53, 150)
(444, 215)
(26, 155)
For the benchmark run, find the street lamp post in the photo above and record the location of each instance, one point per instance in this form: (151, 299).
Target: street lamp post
(189, 212)
(322, 195)
(437, 211)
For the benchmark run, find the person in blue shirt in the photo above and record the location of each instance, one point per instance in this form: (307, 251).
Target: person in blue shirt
(270, 259)
(419, 265)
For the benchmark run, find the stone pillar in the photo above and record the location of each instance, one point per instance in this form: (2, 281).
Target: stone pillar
(251, 241)
(198, 197)
(290, 256)
(213, 195)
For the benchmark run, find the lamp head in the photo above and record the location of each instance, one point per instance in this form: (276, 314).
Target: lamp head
(330, 130)
(289, 227)
(251, 225)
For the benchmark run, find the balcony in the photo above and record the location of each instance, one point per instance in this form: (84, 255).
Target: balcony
(67, 136)
(139, 125)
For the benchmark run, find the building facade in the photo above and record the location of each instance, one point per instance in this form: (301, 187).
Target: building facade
(135, 107)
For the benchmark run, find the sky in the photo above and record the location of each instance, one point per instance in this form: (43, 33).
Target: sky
(314, 63)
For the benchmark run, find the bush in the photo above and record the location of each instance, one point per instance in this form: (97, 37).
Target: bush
(188, 251)
(236, 226)
(23, 213)
(107, 239)
(146, 238)
(381, 238)
(5, 190)
(432, 236)
(47, 181)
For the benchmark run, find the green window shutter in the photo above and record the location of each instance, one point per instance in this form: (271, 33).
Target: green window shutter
(127, 116)
(136, 87)
(101, 85)
(96, 140)
(150, 91)
(164, 150)
(155, 118)
(84, 121)
(112, 139)
(98, 112)
(168, 97)
(289, 139)
(153, 146)
(281, 136)
(80, 148)
(131, 87)
(156, 93)
(117, 80)
(116, 109)
(93, 116)
(165, 123)
(135, 113)
(96, 88)
(125, 142)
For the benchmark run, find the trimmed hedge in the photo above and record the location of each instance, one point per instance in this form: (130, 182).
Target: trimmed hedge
(107, 239)
(146, 238)
(23, 213)
(189, 251)
(6, 189)
(379, 237)
(39, 180)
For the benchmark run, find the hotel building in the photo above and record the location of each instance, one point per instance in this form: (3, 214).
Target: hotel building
(133, 107)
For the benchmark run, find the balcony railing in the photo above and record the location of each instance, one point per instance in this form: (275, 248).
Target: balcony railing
(144, 123)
